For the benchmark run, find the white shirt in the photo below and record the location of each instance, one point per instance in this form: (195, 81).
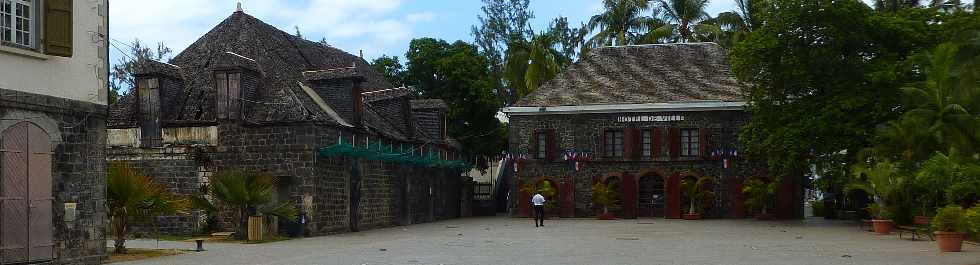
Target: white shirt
(537, 199)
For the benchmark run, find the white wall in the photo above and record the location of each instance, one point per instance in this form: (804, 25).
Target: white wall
(81, 77)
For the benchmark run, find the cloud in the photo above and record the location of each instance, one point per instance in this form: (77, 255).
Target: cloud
(347, 24)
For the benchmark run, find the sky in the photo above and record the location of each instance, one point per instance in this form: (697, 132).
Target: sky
(376, 27)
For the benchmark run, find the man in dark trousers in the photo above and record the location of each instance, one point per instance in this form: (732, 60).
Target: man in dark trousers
(538, 201)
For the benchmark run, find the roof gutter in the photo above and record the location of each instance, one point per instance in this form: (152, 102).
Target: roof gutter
(630, 108)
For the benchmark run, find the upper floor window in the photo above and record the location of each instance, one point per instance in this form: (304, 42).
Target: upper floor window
(614, 143)
(647, 141)
(148, 91)
(229, 91)
(541, 140)
(690, 145)
(17, 22)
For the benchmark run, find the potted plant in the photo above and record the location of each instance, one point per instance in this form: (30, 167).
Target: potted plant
(882, 180)
(696, 193)
(605, 195)
(760, 195)
(547, 190)
(950, 226)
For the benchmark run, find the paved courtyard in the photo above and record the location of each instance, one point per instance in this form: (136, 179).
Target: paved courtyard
(584, 241)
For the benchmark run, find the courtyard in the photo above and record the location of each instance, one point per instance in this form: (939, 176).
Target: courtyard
(501, 240)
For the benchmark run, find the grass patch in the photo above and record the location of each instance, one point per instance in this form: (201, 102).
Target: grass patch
(140, 254)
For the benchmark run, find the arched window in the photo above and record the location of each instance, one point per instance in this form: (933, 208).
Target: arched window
(25, 194)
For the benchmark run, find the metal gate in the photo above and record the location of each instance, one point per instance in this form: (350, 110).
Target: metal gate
(25, 195)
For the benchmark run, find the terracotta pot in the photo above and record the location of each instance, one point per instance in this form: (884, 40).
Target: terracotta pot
(949, 241)
(882, 227)
(607, 216)
(763, 216)
(692, 216)
(921, 220)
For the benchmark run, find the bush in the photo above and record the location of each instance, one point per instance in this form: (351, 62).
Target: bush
(818, 209)
(950, 219)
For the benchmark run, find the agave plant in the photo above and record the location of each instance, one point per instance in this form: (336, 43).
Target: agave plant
(132, 195)
(696, 191)
(248, 192)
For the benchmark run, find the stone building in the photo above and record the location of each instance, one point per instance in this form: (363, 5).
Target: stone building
(644, 117)
(53, 71)
(248, 96)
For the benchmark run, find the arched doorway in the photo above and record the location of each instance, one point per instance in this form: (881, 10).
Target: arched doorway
(25, 195)
(550, 190)
(614, 183)
(652, 197)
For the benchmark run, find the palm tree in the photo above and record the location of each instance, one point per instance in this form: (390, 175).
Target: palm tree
(530, 64)
(948, 98)
(685, 15)
(619, 24)
(895, 5)
(130, 194)
(739, 23)
(248, 193)
(696, 192)
(883, 180)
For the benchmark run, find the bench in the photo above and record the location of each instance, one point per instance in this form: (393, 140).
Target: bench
(916, 231)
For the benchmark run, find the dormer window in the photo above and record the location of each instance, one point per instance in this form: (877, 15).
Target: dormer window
(148, 91)
(229, 93)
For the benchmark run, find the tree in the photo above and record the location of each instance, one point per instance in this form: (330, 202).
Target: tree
(530, 64)
(502, 22)
(121, 76)
(568, 40)
(696, 192)
(605, 194)
(760, 194)
(948, 99)
(686, 17)
(391, 68)
(739, 23)
(620, 23)
(248, 193)
(132, 195)
(459, 74)
(883, 180)
(895, 5)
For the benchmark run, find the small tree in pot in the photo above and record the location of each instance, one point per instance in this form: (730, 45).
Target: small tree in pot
(760, 196)
(882, 180)
(605, 195)
(950, 225)
(696, 193)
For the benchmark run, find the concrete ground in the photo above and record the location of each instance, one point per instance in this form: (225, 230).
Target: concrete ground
(499, 240)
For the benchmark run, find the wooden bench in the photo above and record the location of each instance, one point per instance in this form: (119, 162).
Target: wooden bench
(916, 231)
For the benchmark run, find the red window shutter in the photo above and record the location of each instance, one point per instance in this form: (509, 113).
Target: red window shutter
(631, 143)
(655, 139)
(533, 145)
(552, 144)
(601, 151)
(704, 135)
(674, 137)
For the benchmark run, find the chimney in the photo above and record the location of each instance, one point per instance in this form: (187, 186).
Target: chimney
(238, 8)
(341, 89)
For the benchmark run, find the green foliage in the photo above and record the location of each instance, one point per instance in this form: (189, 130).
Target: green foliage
(951, 219)
(605, 194)
(121, 78)
(247, 192)
(390, 68)
(620, 23)
(972, 217)
(760, 194)
(696, 192)
(458, 74)
(883, 180)
(686, 17)
(130, 194)
(546, 189)
(530, 64)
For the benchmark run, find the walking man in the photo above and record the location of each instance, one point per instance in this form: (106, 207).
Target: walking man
(538, 202)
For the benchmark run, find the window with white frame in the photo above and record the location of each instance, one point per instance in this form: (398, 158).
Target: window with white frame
(17, 19)
(647, 141)
(690, 145)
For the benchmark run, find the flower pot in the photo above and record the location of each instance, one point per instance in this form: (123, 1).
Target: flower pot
(607, 216)
(921, 220)
(882, 227)
(949, 241)
(763, 216)
(692, 216)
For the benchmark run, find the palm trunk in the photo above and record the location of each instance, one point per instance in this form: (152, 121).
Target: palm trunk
(605, 209)
(691, 211)
(120, 234)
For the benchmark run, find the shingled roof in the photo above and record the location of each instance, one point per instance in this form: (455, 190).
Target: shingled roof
(655, 73)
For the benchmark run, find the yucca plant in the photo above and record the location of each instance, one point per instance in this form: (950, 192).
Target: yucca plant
(132, 195)
(696, 192)
(248, 192)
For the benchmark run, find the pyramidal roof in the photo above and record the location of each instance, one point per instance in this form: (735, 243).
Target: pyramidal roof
(655, 73)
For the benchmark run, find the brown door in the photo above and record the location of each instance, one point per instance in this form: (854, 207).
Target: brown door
(25, 195)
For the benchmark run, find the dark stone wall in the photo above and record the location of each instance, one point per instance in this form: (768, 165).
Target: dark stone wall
(582, 131)
(78, 169)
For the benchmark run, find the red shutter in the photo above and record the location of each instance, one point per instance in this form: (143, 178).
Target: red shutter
(601, 151)
(655, 140)
(532, 149)
(674, 137)
(629, 143)
(704, 135)
(552, 145)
